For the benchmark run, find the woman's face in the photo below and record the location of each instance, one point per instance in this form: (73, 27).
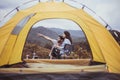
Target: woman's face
(64, 35)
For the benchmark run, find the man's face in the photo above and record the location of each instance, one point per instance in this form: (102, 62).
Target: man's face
(58, 38)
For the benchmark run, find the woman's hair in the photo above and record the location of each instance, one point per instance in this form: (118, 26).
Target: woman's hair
(61, 39)
(68, 36)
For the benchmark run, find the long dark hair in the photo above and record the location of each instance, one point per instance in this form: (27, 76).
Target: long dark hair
(68, 36)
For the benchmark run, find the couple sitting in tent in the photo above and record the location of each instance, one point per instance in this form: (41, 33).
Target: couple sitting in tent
(61, 46)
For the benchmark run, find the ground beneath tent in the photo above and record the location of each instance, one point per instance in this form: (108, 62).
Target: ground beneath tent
(61, 76)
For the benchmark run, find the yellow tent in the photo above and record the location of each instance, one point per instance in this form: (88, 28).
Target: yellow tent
(13, 34)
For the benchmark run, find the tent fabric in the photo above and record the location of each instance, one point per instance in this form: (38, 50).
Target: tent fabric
(104, 47)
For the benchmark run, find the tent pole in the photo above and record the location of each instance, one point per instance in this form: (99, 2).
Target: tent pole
(39, 0)
(83, 6)
(52, 0)
(17, 8)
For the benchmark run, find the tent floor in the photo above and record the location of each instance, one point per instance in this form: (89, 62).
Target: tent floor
(56, 66)
(82, 62)
(63, 69)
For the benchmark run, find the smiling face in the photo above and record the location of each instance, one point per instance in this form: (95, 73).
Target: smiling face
(58, 38)
(64, 35)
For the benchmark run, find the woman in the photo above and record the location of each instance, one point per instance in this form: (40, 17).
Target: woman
(67, 41)
(57, 45)
(67, 36)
